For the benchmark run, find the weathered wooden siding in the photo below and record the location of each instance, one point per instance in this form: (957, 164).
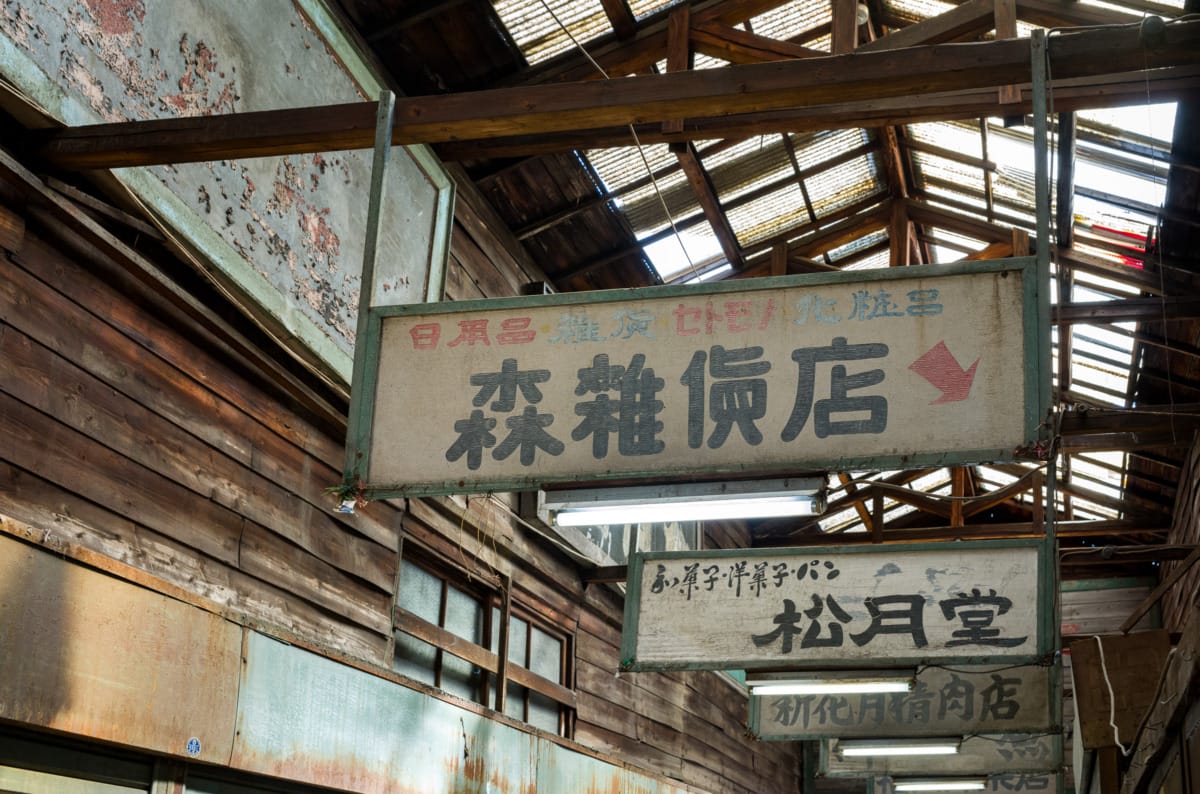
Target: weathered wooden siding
(1180, 601)
(135, 430)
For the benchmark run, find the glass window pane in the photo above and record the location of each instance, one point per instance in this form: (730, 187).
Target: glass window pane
(518, 630)
(414, 658)
(543, 712)
(514, 704)
(546, 654)
(494, 639)
(464, 615)
(420, 592)
(460, 677)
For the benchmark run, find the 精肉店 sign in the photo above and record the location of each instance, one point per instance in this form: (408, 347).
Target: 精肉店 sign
(967, 603)
(903, 367)
(954, 700)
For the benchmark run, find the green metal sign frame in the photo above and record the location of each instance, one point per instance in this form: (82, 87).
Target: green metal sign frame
(372, 320)
(1047, 628)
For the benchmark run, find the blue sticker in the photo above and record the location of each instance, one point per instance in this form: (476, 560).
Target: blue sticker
(193, 747)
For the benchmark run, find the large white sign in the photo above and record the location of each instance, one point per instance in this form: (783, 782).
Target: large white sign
(755, 376)
(944, 701)
(788, 608)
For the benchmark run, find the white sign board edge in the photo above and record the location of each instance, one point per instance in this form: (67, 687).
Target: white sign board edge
(710, 643)
(386, 469)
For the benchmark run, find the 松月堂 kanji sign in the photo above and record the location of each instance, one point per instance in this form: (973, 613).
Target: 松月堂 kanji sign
(788, 608)
(761, 376)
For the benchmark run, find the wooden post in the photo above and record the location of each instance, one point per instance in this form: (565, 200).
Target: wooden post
(679, 59)
(844, 36)
(898, 235)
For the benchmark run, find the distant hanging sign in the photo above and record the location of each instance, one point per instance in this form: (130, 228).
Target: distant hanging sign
(902, 367)
(945, 701)
(789, 608)
(1002, 783)
(1012, 754)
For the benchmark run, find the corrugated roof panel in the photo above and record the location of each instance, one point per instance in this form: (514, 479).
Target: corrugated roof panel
(617, 167)
(644, 8)
(957, 136)
(918, 9)
(751, 164)
(876, 261)
(791, 19)
(848, 250)
(643, 207)
(814, 148)
(775, 212)
(938, 167)
(839, 187)
(537, 32)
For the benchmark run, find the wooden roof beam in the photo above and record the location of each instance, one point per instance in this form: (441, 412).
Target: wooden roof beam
(706, 194)
(971, 19)
(728, 43)
(549, 109)
(1161, 85)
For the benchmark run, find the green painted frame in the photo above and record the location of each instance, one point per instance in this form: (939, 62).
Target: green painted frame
(1046, 603)
(367, 354)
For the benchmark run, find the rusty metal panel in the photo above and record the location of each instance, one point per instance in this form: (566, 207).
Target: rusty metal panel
(305, 717)
(88, 654)
(286, 233)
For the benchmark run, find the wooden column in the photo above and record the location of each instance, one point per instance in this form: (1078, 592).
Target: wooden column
(844, 36)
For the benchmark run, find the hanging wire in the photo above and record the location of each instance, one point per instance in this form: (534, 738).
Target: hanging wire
(637, 142)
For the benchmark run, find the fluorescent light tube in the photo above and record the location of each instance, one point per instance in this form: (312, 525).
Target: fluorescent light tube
(767, 507)
(683, 502)
(831, 688)
(942, 784)
(844, 682)
(881, 747)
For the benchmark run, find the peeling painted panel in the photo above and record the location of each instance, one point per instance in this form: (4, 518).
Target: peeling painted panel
(304, 717)
(286, 232)
(85, 653)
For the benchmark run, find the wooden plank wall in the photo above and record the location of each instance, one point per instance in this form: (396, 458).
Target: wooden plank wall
(1181, 600)
(129, 432)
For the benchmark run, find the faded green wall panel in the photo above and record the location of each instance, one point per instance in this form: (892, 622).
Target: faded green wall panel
(304, 717)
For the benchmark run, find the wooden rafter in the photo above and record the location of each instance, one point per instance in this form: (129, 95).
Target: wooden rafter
(706, 194)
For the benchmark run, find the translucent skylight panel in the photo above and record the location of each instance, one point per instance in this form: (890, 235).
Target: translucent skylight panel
(619, 166)
(1107, 285)
(750, 165)
(776, 212)
(814, 148)
(539, 35)
(918, 9)
(932, 166)
(1101, 214)
(848, 250)
(644, 206)
(841, 186)
(957, 137)
(683, 256)
(791, 19)
(875, 261)
(1152, 121)
(644, 8)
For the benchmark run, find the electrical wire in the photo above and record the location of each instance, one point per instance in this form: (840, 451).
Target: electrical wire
(1112, 701)
(637, 142)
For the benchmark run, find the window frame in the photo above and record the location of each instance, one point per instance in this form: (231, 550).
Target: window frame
(496, 671)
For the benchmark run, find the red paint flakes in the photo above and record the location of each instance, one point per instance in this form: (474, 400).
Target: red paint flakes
(116, 17)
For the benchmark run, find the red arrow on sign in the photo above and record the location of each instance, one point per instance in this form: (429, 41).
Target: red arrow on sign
(939, 366)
